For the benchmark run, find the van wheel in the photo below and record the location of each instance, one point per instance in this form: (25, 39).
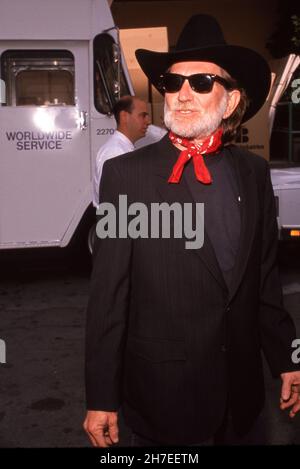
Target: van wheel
(91, 238)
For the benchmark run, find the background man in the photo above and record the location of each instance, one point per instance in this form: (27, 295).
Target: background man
(176, 335)
(132, 119)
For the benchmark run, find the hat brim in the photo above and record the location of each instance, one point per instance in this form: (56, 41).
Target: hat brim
(245, 65)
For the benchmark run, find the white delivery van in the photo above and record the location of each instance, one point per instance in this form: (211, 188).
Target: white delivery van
(61, 72)
(275, 132)
(285, 146)
(286, 185)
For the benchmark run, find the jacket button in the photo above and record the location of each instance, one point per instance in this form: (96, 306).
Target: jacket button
(228, 309)
(223, 348)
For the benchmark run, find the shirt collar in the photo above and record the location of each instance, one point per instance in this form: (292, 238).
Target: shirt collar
(125, 139)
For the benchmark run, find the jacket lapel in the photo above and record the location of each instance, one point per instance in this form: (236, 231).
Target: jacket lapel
(170, 193)
(249, 210)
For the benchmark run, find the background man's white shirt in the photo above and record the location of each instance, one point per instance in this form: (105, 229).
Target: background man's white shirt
(116, 145)
(154, 134)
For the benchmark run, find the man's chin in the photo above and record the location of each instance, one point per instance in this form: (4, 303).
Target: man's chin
(181, 126)
(182, 131)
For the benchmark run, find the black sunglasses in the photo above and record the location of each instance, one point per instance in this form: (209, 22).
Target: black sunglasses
(200, 82)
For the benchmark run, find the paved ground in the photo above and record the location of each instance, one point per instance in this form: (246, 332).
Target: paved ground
(42, 308)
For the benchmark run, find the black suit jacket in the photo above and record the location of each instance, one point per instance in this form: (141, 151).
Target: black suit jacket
(165, 337)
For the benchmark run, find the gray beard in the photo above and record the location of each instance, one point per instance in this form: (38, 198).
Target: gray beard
(199, 129)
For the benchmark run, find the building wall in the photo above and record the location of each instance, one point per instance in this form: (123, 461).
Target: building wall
(247, 23)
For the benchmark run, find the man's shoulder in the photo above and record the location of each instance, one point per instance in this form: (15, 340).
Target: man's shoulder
(117, 139)
(140, 157)
(251, 159)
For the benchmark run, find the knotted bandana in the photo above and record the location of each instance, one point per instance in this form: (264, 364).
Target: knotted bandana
(192, 150)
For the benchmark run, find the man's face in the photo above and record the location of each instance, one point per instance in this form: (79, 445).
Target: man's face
(195, 115)
(138, 120)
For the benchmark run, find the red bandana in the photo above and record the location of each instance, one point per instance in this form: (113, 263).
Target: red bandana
(195, 151)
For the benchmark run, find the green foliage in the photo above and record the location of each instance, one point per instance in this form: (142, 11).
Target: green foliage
(296, 23)
(286, 38)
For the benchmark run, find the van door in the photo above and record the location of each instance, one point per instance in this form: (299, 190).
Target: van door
(110, 82)
(45, 169)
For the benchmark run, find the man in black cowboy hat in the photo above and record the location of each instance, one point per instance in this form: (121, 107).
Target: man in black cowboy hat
(175, 335)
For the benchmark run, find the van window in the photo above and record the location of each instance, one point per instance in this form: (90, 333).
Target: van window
(285, 138)
(38, 77)
(109, 78)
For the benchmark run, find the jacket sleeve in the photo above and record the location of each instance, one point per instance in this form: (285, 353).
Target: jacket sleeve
(107, 307)
(276, 326)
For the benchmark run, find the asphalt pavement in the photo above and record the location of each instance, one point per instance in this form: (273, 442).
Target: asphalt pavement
(43, 297)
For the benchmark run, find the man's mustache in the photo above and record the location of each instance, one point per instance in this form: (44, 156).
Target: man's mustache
(183, 109)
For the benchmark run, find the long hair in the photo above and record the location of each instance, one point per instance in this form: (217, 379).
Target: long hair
(232, 123)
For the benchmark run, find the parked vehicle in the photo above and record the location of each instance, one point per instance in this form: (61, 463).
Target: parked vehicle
(274, 134)
(286, 185)
(284, 121)
(61, 72)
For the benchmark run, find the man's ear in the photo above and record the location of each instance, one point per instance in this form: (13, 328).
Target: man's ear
(233, 102)
(123, 117)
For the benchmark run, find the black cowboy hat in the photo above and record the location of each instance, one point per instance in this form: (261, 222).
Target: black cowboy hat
(202, 39)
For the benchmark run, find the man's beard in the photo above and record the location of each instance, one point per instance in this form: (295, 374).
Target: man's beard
(203, 127)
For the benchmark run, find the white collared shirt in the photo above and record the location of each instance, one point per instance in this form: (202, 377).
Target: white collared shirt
(116, 145)
(154, 134)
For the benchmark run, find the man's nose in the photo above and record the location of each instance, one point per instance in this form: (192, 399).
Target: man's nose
(185, 93)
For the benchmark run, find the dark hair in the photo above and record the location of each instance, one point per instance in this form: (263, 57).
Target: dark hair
(126, 103)
(232, 123)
